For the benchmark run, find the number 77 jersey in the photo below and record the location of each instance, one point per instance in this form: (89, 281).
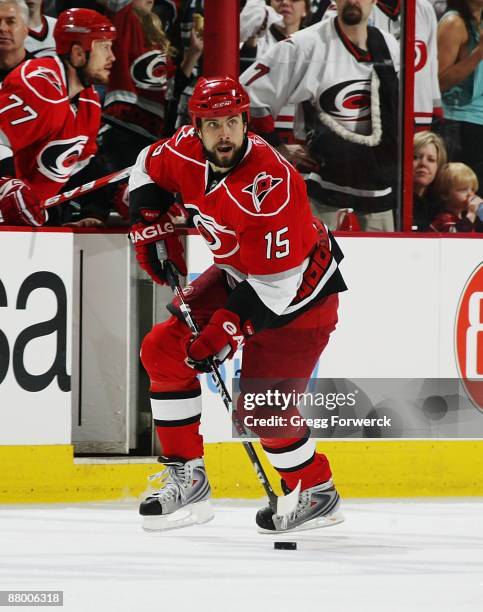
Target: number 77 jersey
(49, 135)
(256, 218)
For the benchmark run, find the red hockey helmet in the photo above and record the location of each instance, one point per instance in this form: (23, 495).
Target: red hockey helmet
(82, 27)
(216, 97)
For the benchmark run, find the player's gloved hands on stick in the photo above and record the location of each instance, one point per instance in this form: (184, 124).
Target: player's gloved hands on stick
(19, 205)
(153, 228)
(219, 339)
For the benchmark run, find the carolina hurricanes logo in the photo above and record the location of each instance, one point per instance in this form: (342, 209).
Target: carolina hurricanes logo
(149, 71)
(221, 241)
(57, 159)
(349, 101)
(260, 188)
(469, 337)
(45, 74)
(421, 55)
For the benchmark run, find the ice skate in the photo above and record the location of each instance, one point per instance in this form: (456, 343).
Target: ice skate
(317, 507)
(183, 500)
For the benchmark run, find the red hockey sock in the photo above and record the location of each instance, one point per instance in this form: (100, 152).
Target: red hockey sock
(184, 442)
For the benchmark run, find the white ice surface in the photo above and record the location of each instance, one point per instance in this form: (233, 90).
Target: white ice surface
(387, 556)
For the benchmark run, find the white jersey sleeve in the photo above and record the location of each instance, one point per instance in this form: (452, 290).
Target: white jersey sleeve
(283, 69)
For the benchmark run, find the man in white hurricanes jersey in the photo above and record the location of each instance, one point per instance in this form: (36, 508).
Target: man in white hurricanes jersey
(345, 75)
(386, 16)
(40, 40)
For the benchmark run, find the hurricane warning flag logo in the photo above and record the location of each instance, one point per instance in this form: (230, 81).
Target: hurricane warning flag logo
(260, 188)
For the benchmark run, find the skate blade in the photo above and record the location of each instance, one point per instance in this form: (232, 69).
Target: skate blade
(193, 514)
(328, 520)
(317, 523)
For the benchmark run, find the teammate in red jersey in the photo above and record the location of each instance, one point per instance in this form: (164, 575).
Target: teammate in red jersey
(50, 114)
(273, 287)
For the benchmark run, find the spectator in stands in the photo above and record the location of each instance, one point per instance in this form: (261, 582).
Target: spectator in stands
(455, 188)
(386, 15)
(345, 75)
(460, 50)
(429, 157)
(40, 40)
(140, 77)
(261, 27)
(13, 32)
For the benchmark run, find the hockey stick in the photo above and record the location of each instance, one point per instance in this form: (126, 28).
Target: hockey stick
(280, 505)
(86, 188)
(128, 127)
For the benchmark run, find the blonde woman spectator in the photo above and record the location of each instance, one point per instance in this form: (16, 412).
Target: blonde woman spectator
(141, 76)
(455, 188)
(429, 156)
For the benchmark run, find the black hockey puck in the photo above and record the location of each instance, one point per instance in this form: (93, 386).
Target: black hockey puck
(285, 545)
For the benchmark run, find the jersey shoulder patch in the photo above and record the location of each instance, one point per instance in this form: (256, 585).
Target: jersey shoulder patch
(186, 144)
(262, 184)
(43, 78)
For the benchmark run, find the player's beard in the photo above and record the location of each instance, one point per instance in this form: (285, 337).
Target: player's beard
(97, 77)
(226, 162)
(351, 15)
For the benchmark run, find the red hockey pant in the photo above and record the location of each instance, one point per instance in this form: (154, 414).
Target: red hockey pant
(288, 352)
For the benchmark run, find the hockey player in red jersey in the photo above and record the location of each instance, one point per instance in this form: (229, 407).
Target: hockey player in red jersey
(50, 115)
(273, 288)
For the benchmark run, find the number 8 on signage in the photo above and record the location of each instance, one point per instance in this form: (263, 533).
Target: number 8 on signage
(475, 328)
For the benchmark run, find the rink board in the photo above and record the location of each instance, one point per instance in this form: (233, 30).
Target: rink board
(402, 310)
(379, 468)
